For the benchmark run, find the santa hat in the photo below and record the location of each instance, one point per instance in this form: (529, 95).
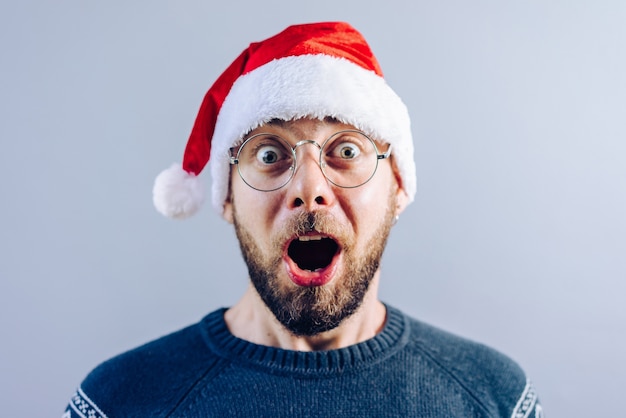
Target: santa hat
(313, 70)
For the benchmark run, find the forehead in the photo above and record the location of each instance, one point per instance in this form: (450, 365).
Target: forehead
(303, 127)
(307, 128)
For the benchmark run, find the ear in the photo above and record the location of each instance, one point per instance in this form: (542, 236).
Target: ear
(402, 201)
(227, 208)
(227, 211)
(402, 198)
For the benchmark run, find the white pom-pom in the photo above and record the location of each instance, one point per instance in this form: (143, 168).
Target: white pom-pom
(177, 194)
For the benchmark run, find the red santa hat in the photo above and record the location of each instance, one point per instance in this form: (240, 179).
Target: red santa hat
(313, 70)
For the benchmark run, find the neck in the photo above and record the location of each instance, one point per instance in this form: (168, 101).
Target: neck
(250, 320)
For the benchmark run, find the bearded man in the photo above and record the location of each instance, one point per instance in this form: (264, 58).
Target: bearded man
(312, 162)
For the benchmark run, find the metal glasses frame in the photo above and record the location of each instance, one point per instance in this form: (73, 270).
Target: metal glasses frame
(234, 157)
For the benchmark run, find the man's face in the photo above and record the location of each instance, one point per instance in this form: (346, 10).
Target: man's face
(313, 248)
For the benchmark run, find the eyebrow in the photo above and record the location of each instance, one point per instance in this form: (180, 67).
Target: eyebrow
(276, 122)
(282, 123)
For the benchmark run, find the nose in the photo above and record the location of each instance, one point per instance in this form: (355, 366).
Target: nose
(309, 188)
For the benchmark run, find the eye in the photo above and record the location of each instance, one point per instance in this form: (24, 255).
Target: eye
(347, 150)
(269, 154)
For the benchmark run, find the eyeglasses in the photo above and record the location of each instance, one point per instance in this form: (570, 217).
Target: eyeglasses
(267, 162)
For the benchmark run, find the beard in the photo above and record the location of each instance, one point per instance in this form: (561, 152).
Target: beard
(309, 311)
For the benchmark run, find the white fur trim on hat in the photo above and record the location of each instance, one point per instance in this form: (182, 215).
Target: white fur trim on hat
(316, 86)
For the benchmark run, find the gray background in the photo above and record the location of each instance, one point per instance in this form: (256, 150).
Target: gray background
(516, 238)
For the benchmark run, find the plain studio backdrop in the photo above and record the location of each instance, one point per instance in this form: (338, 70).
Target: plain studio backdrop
(517, 237)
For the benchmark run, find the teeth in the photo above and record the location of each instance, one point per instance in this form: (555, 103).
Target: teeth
(310, 238)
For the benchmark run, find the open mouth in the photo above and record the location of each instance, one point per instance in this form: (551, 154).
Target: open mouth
(312, 252)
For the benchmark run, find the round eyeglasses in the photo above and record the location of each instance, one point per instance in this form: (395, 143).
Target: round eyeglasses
(267, 162)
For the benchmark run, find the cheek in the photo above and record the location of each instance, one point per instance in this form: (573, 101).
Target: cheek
(368, 205)
(254, 208)
(364, 209)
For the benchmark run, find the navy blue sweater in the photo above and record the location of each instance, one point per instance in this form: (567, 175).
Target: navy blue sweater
(410, 369)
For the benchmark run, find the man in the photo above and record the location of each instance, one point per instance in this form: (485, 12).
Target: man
(312, 162)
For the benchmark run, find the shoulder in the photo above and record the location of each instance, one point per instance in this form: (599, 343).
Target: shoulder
(150, 379)
(493, 380)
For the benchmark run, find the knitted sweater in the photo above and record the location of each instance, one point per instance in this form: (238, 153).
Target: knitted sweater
(410, 369)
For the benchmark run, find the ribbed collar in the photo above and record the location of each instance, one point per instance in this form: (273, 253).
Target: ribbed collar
(393, 337)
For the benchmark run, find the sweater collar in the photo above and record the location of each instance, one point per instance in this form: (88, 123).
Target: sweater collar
(391, 339)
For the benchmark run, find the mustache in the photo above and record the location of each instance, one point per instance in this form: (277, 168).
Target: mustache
(304, 222)
(317, 221)
(307, 222)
